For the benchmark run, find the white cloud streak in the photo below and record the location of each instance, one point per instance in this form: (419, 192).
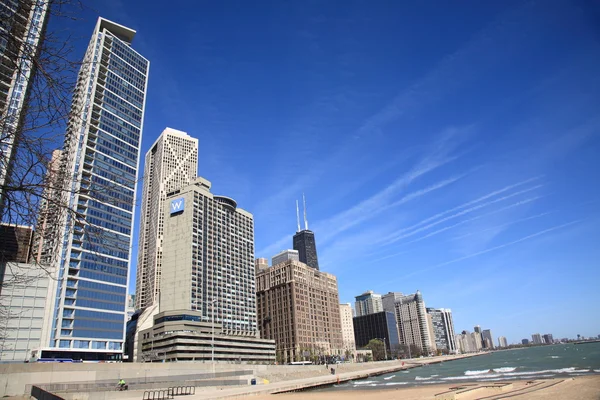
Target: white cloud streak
(495, 248)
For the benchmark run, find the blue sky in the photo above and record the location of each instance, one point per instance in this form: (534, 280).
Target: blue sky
(442, 146)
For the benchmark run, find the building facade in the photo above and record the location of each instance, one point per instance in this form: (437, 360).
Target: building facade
(488, 339)
(260, 264)
(349, 344)
(187, 336)
(411, 316)
(86, 314)
(443, 328)
(536, 338)
(548, 339)
(171, 163)
(15, 243)
(502, 342)
(209, 258)
(306, 246)
(381, 325)
(21, 35)
(388, 301)
(368, 303)
(465, 343)
(23, 301)
(298, 307)
(285, 255)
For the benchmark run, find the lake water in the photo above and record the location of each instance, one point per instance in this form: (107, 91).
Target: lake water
(557, 361)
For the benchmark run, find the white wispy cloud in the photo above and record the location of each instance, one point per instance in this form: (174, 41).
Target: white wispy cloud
(495, 248)
(419, 227)
(492, 228)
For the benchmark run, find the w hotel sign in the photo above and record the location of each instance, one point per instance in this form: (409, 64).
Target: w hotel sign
(177, 205)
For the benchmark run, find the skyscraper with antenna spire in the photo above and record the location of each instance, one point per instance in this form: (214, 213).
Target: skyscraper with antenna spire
(304, 240)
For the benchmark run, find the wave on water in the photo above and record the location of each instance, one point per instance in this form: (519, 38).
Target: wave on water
(406, 372)
(554, 356)
(418, 378)
(364, 382)
(396, 383)
(597, 370)
(480, 372)
(504, 369)
(389, 377)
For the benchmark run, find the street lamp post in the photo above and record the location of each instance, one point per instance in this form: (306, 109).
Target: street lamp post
(384, 346)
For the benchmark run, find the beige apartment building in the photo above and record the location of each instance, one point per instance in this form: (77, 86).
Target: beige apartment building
(349, 344)
(298, 307)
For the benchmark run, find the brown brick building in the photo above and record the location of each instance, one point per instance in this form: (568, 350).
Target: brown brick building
(298, 307)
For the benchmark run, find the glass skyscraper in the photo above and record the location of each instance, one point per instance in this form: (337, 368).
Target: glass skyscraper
(22, 25)
(86, 311)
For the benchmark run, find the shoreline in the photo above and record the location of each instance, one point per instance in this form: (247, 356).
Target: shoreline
(586, 388)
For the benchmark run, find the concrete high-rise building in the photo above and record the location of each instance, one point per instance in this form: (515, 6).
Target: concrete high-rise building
(536, 338)
(260, 264)
(285, 255)
(349, 345)
(298, 307)
(548, 339)
(15, 243)
(502, 342)
(411, 316)
(388, 301)
(208, 254)
(443, 327)
(465, 342)
(431, 332)
(85, 317)
(525, 342)
(171, 163)
(45, 241)
(477, 328)
(23, 301)
(488, 339)
(368, 303)
(477, 340)
(21, 35)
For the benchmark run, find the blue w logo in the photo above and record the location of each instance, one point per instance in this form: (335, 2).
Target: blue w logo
(177, 205)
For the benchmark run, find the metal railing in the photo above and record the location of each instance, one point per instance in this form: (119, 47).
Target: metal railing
(182, 390)
(157, 395)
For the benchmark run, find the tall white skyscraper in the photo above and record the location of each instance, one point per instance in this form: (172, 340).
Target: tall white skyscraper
(86, 309)
(285, 255)
(21, 34)
(171, 163)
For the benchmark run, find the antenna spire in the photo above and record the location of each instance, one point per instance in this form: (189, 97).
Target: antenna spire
(305, 220)
(298, 216)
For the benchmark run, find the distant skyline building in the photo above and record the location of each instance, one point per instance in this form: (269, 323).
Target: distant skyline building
(411, 317)
(45, 241)
(21, 32)
(525, 341)
(208, 254)
(380, 325)
(477, 341)
(368, 303)
(298, 307)
(477, 329)
(346, 317)
(388, 301)
(285, 255)
(488, 339)
(260, 264)
(171, 163)
(304, 242)
(443, 328)
(86, 306)
(548, 339)
(502, 342)
(465, 342)
(536, 338)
